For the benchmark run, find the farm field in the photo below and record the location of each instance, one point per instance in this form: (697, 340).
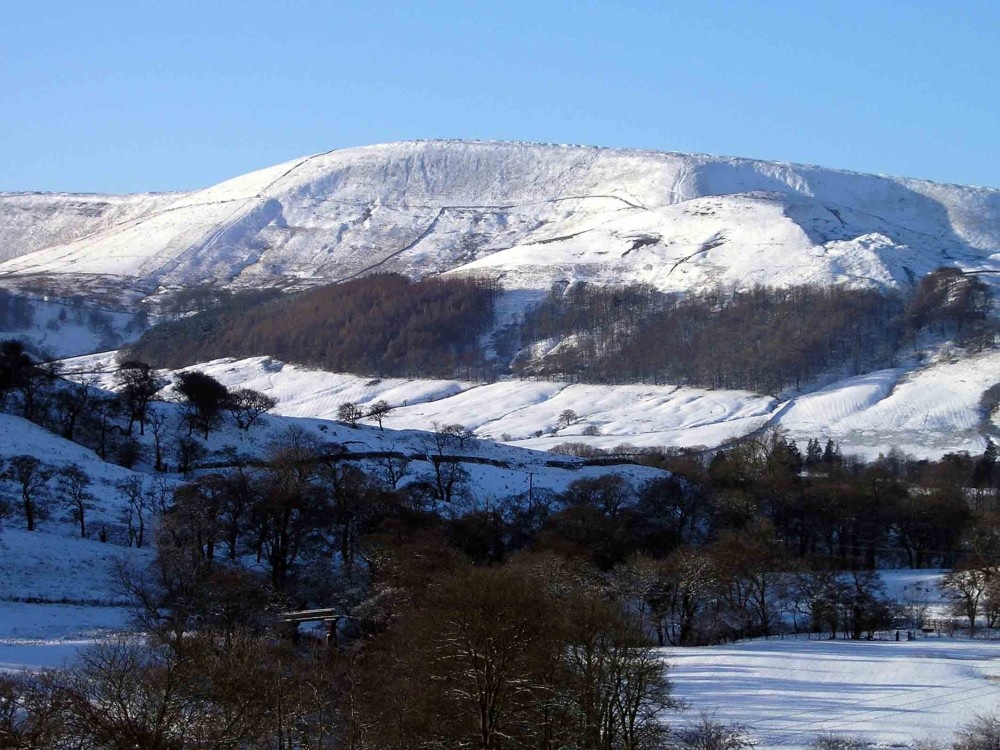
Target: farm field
(787, 691)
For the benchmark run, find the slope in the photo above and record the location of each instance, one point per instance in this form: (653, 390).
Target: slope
(925, 410)
(532, 214)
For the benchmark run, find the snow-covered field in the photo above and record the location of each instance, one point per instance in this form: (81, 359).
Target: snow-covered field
(58, 330)
(925, 412)
(893, 693)
(57, 594)
(787, 691)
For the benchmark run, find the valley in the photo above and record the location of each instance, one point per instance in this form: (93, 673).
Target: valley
(730, 415)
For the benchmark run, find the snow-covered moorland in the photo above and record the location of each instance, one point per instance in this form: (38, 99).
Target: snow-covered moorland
(527, 214)
(528, 217)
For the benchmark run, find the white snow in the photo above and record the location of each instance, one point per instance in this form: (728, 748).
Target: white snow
(528, 214)
(892, 693)
(925, 411)
(58, 330)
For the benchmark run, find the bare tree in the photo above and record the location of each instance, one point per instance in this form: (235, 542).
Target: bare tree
(394, 467)
(103, 416)
(71, 402)
(379, 411)
(188, 451)
(449, 474)
(159, 422)
(137, 384)
(32, 710)
(246, 405)
(709, 734)
(127, 695)
(567, 417)
(967, 587)
(136, 510)
(350, 413)
(982, 733)
(74, 485)
(33, 476)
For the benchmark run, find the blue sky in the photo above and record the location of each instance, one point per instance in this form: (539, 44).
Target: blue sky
(129, 96)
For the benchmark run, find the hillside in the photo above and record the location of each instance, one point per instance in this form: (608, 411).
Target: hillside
(526, 214)
(927, 411)
(534, 218)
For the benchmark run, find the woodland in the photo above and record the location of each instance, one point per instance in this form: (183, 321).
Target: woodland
(528, 621)
(762, 339)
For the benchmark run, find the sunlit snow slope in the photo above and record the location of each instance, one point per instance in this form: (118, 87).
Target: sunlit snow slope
(527, 214)
(927, 411)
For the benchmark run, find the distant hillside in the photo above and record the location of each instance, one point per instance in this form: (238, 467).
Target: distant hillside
(527, 215)
(762, 340)
(749, 274)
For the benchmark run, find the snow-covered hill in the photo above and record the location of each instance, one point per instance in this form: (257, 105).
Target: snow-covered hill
(35, 221)
(530, 215)
(527, 214)
(925, 411)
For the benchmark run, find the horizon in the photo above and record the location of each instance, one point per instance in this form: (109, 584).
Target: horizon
(501, 142)
(120, 98)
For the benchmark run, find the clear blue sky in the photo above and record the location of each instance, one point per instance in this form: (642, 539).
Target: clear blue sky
(129, 96)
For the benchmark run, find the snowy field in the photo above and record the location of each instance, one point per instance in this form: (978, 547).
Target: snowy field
(789, 691)
(58, 594)
(926, 412)
(51, 635)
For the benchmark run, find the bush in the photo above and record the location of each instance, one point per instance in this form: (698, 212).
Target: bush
(839, 742)
(709, 734)
(982, 733)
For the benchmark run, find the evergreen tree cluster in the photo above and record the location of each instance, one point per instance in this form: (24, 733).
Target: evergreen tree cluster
(763, 339)
(383, 325)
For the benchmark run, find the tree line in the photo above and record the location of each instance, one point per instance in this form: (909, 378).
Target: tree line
(528, 622)
(763, 339)
(384, 325)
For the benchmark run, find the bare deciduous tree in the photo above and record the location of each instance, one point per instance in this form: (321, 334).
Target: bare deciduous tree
(137, 509)
(32, 477)
(74, 485)
(350, 413)
(247, 405)
(379, 411)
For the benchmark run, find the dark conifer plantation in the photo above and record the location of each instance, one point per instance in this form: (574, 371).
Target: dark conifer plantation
(762, 339)
(377, 325)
